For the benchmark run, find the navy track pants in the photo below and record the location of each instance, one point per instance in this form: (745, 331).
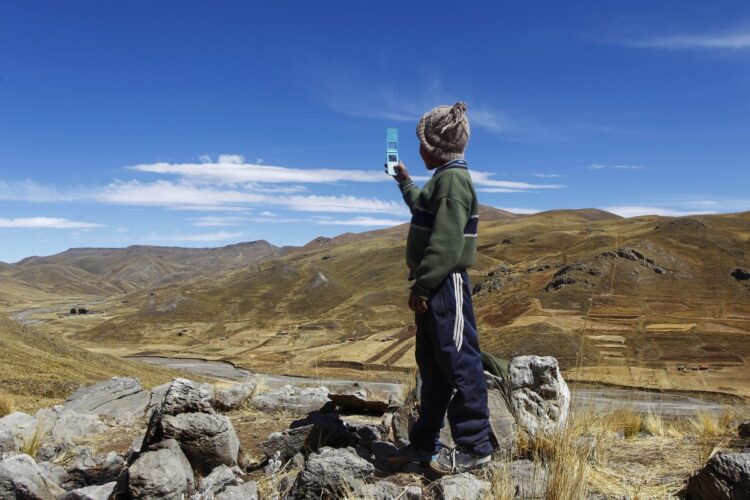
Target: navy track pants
(450, 365)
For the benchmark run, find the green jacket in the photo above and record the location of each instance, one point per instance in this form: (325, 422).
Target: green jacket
(443, 232)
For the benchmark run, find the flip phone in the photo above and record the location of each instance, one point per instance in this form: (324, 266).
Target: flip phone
(391, 151)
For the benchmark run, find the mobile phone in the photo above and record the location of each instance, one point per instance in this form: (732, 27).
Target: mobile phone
(391, 151)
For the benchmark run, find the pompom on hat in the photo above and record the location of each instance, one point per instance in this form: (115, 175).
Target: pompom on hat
(444, 132)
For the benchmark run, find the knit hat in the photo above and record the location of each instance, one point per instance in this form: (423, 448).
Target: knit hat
(444, 132)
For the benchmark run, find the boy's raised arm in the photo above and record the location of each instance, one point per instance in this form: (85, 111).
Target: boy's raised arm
(407, 186)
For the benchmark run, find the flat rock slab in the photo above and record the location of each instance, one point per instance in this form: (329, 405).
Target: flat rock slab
(117, 397)
(364, 397)
(232, 397)
(298, 400)
(68, 425)
(21, 478)
(101, 492)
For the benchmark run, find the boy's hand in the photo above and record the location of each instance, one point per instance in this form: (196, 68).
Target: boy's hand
(417, 304)
(401, 173)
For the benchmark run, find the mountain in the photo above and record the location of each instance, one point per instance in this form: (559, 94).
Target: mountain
(106, 271)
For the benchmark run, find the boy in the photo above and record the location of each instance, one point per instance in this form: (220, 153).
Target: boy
(440, 246)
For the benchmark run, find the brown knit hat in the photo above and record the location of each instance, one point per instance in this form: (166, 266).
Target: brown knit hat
(444, 132)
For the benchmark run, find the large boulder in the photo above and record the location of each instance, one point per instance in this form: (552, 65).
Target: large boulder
(331, 473)
(463, 487)
(307, 435)
(60, 424)
(298, 400)
(118, 397)
(502, 422)
(185, 396)
(101, 492)
(208, 440)
(232, 397)
(364, 397)
(21, 479)
(163, 473)
(539, 397)
(726, 476)
(15, 428)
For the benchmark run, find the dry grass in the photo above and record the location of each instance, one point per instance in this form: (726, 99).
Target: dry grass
(654, 424)
(502, 484)
(627, 420)
(7, 404)
(35, 438)
(710, 425)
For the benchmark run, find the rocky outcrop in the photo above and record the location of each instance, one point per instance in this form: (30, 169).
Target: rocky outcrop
(300, 400)
(118, 397)
(332, 473)
(726, 476)
(539, 397)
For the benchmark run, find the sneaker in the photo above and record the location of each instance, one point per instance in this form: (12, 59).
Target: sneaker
(451, 461)
(410, 453)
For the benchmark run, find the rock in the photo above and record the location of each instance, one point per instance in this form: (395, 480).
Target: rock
(363, 397)
(90, 493)
(539, 397)
(221, 477)
(21, 424)
(501, 419)
(386, 490)
(232, 397)
(463, 487)
(294, 399)
(725, 476)
(157, 395)
(184, 396)
(9, 442)
(307, 435)
(246, 491)
(741, 274)
(743, 429)
(20, 478)
(118, 397)
(68, 425)
(164, 473)
(331, 472)
(404, 417)
(529, 479)
(208, 440)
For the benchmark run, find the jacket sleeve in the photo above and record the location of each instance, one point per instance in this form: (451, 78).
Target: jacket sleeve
(446, 245)
(410, 192)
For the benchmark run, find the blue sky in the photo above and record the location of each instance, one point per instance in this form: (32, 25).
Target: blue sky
(208, 123)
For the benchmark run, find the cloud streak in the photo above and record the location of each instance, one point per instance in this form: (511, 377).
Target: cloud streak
(600, 166)
(733, 40)
(639, 210)
(46, 223)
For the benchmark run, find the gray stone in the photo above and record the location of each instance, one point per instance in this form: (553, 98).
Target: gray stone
(405, 416)
(539, 397)
(528, 479)
(463, 487)
(208, 440)
(246, 491)
(364, 397)
(233, 397)
(118, 397)
(221, 477)
(293, 399)
(21, 479)
(331, 472)
(157, 396)
(101, 492)
(185, 396)
(164, 473)
(386, 490)
(725, 476)
(21, 424)
(68, 425)
(306, 436)
(9, 442)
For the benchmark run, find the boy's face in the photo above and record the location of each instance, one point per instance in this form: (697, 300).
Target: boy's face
(429, 162)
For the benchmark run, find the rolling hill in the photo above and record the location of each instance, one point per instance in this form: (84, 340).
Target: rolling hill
(645, 301)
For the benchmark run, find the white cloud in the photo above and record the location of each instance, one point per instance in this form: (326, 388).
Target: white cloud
(600, 166)
(231, 169)
(200, 237)
(484, 180)
(546, 176)
(638, 210)
(342, 204)
(46, 222)
(734, 40)
(33, 191)
(213, 221)
(519, 210)
(360, 221)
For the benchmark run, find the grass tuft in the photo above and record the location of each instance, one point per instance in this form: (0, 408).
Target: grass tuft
(7, 404)
(35, 438)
